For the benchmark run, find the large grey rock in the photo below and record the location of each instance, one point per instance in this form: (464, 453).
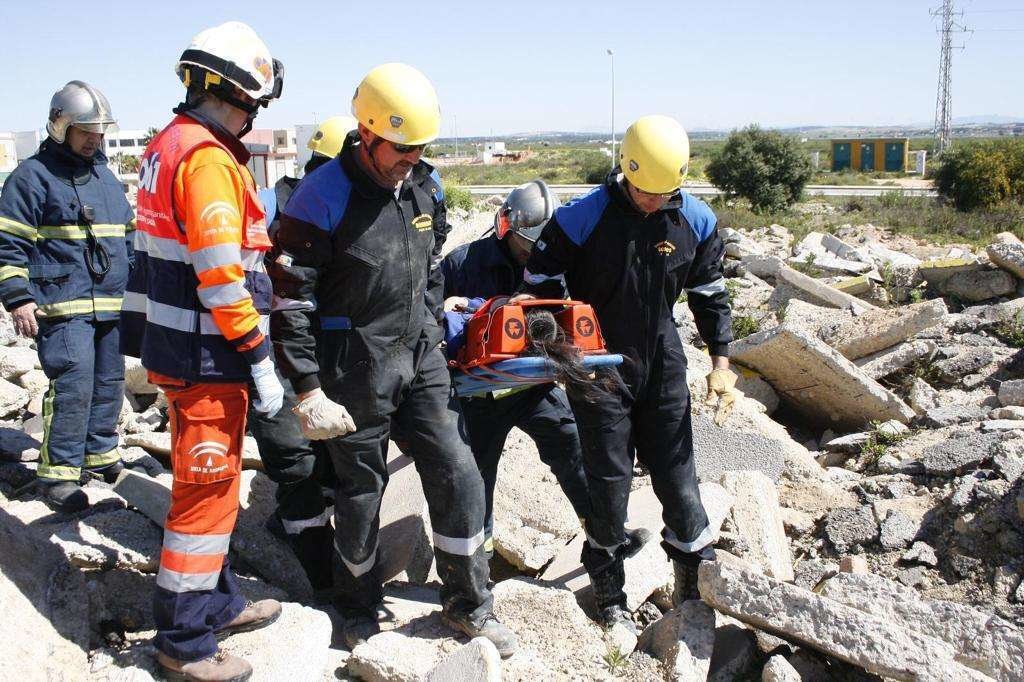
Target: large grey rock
(820, 382)
(115, 539)
(821, 291)
(979, 639)
(898, 530)
(999, 425)
(847, 527)
(719, 449)
(647, 572)
(885, 362)
(295, 647)
(876, 644)
(921, 396)
(920, 553)
(960, 452)
(44, 606)
(778, 669)
(477, 661)
(978, 285)
(12, 398)
(18, 360)
(954, 369)
(757, 518)
(1008, 256)
(17, 446)
(950, 415)
(684, 640)
(533, 520)
(1012, 392)
(883, 328)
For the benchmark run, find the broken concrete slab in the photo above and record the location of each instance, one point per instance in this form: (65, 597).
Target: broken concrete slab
(1011, 392)
(977, 285)
(876, 644)
(115, 539)
(159, 445)
(885, 362)
(958, 453)
(819, 381)
(756, 517)
(684, 640)
(1008, 256)
(990, 425)
(778, 669)
(979, 639)
(477, 661)
(858, 286)
(762, 266)
(650, 570)
(883, 328)
(821, 291)
(12, 398)
(848, 527)
(533, 519)
(16, 361)
(937, 271)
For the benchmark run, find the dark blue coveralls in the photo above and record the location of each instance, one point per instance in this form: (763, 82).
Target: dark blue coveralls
(65, 243)
(484, 269)
(632, 267)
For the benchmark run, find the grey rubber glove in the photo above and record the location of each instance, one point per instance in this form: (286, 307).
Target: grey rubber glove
(322, 418)
(268, 388)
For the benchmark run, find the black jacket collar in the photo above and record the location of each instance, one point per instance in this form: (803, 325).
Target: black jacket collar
(362, 180)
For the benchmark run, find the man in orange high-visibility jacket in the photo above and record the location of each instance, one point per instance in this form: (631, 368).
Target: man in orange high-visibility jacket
(196, 312)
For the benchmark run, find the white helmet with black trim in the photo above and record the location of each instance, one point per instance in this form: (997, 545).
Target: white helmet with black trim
(79, 104)
(230, 56)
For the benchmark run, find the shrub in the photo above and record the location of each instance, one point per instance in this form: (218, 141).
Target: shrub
(763, 166)
(456, 197)
(982, 174)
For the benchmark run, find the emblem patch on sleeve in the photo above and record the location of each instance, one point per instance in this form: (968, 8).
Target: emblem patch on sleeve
(423, 222)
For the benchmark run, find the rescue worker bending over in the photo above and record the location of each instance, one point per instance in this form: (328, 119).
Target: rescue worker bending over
(629, 248)
(358, 288)
(196, 312)
(64, 263)
(493, 266)
(300, 468)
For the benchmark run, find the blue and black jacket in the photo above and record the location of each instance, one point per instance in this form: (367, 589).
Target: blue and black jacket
(355, 267)
(65, 235)
(632, 268)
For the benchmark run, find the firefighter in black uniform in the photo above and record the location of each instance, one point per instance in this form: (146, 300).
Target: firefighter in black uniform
(630, 248)
(358, 299)
(493, 266)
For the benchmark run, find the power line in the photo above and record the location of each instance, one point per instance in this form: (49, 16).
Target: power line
(944, 96)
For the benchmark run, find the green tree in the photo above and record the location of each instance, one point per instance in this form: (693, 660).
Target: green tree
(150, 134)
(763, 166)
(982, 174)
(126, 163)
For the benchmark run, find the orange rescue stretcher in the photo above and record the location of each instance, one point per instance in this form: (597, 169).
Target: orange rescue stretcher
(492, 356)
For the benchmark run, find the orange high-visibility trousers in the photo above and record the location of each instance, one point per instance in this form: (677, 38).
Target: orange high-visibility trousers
(196, 592)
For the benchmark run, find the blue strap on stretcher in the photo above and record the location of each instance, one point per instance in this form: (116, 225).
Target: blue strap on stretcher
(517, 372)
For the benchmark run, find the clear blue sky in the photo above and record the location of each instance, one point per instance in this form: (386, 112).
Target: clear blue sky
(522, 65)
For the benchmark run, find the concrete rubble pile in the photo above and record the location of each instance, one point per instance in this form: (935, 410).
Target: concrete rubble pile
(866, 497)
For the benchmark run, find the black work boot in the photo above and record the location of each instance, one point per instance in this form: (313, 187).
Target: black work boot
(110, 472)
(686, 571)
(635, 541)
(66, 497)
(360, 625)
(608, 586)
(487, 626)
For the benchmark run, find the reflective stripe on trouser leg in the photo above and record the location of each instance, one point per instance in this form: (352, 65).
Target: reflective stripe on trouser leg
(46, 469)
(190, 563)
(703, 539)
(460, 546)
(357, 569)
(101, 459)
(296, 526)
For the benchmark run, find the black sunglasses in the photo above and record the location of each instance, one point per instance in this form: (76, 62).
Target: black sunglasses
(408, 148)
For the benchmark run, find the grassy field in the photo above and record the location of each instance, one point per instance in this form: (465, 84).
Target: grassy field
(583, 163)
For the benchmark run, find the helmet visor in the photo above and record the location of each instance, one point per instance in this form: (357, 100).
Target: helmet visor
(102, 127)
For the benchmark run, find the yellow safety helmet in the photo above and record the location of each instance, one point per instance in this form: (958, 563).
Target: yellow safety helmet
(330, 136)
(398, 103)
(655, 154)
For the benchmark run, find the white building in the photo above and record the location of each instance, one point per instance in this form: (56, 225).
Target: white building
(127, 142)
(27, 143)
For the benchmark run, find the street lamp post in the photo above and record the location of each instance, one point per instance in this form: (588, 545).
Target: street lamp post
(612, 56)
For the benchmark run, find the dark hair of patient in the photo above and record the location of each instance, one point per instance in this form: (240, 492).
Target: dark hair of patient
(547, 339)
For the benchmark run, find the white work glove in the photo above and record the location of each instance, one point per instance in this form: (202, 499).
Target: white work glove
(269, 388)
(322, 418)
(722, 385)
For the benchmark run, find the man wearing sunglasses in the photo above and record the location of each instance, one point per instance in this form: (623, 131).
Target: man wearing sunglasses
(630, 248)
(357, 288)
